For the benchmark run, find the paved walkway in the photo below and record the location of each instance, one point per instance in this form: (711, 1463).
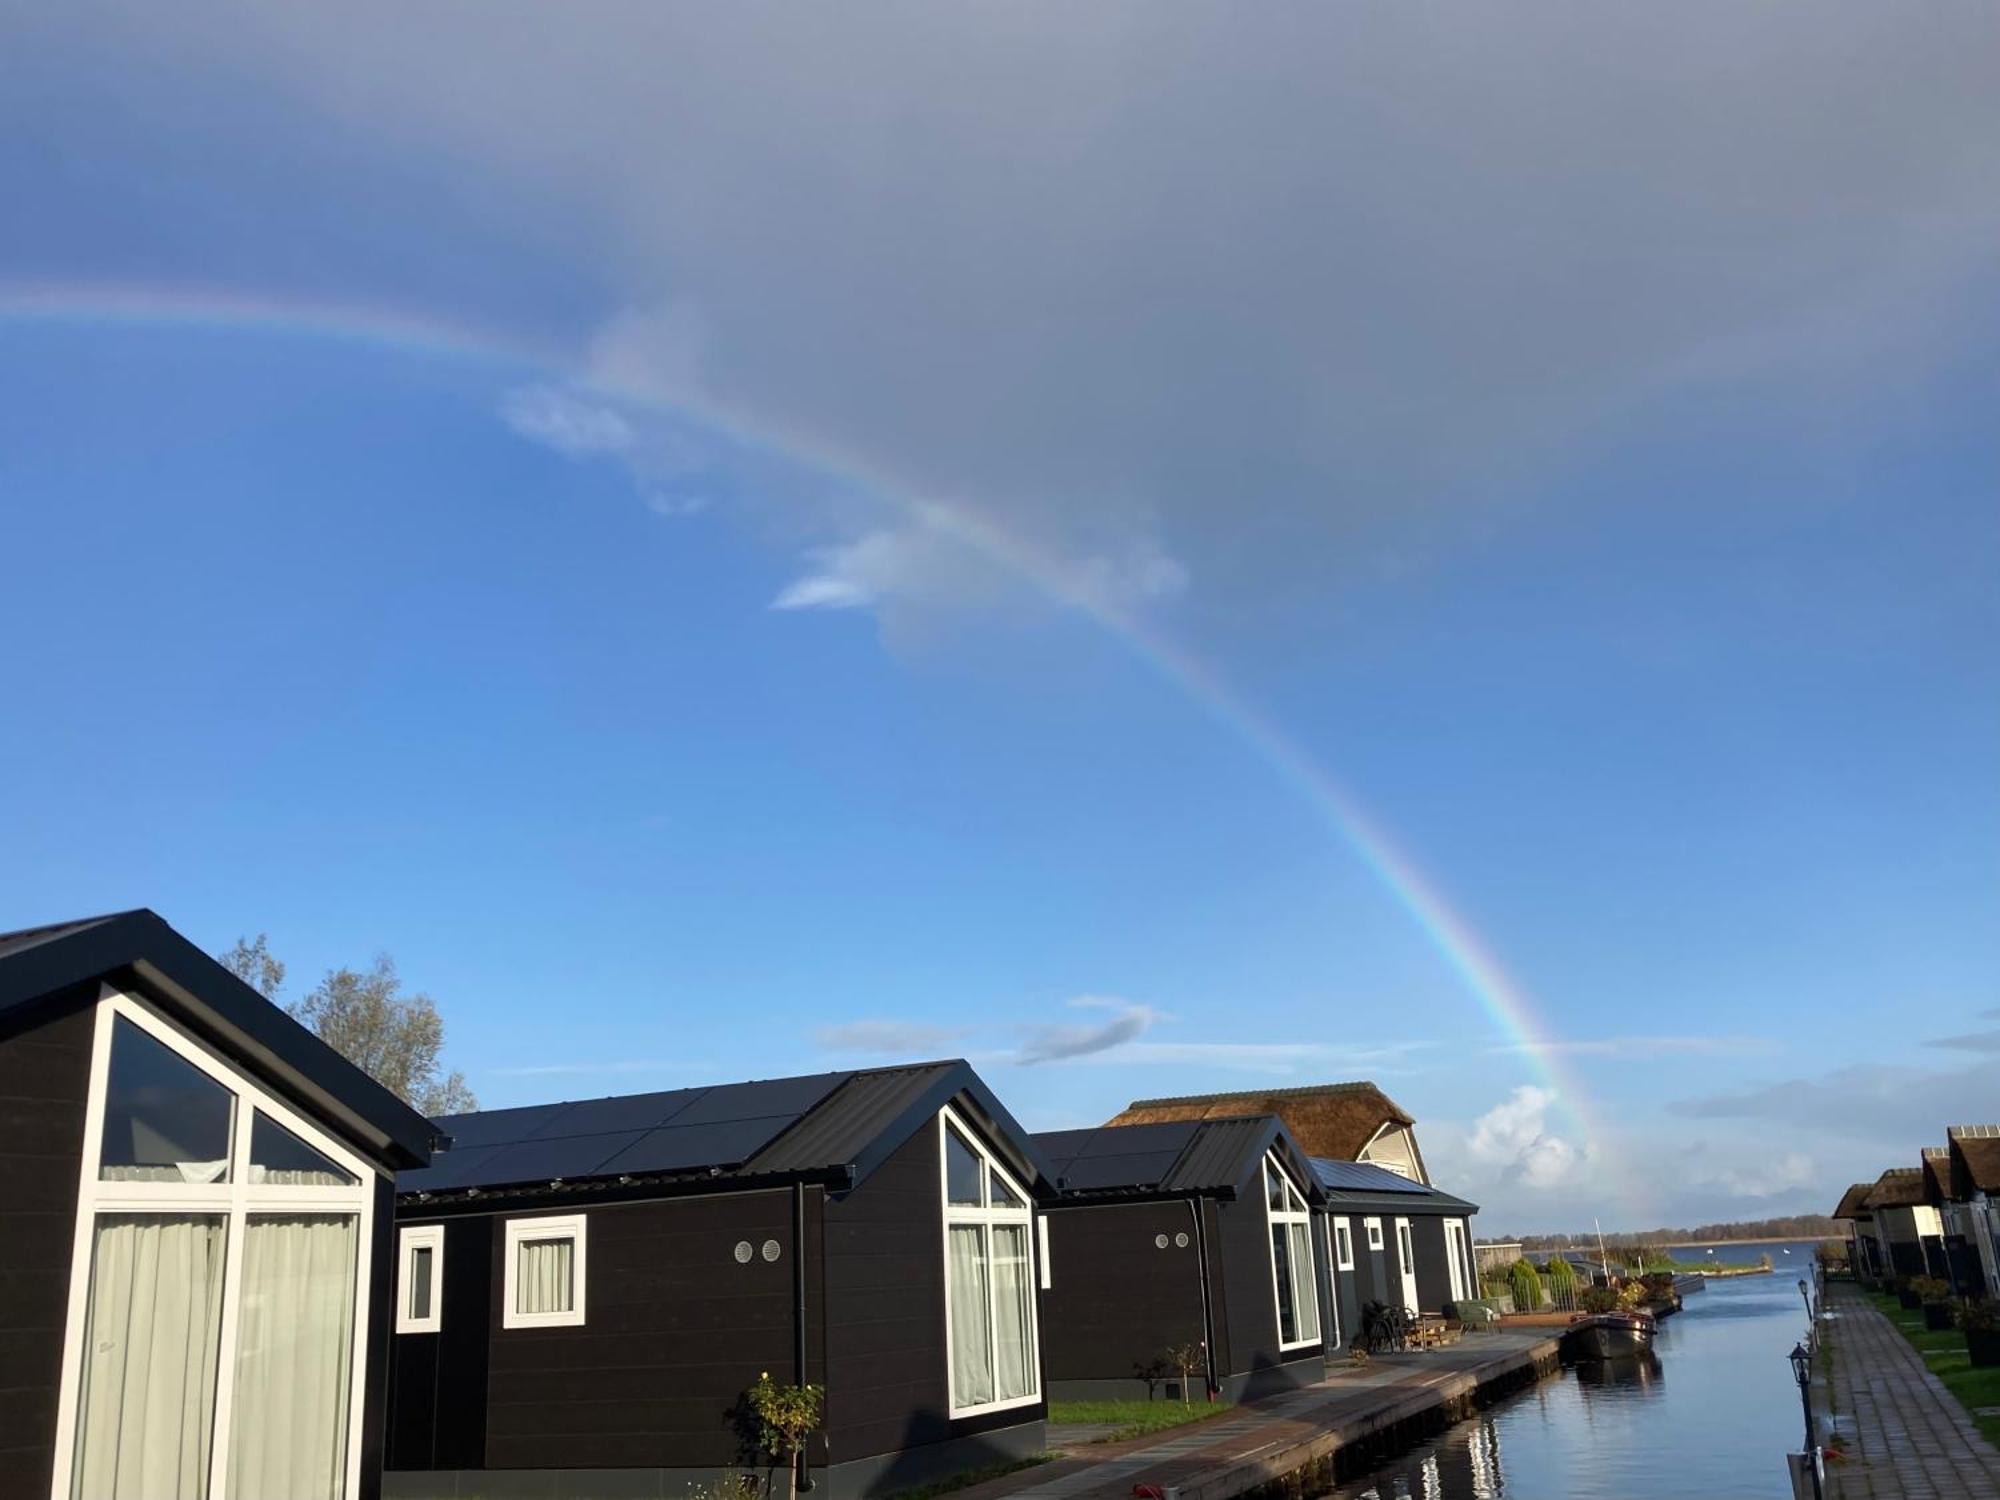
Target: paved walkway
(1907, 1437)
(1269, 1439)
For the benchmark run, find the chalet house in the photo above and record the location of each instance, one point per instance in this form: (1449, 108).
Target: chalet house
(198, 1241)
(586, 1290)
(1185, 1234)
(1908, 1233)
(1395, 1241)
(1358, 1124)
(1960, 1256)
(1974, 1152)
(1864, 1250)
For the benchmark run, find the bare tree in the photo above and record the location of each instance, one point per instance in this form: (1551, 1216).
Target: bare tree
(395, 1038)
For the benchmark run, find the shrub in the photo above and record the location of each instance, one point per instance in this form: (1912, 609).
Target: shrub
(786, 1416)
(1526, 1284)
(1597, 1299)
(1982, 1316)
(1931, 1288)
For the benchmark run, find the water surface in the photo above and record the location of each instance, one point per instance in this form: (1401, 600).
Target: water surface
(1710, 1415)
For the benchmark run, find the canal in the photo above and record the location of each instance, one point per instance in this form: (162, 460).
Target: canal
(1711, 1415)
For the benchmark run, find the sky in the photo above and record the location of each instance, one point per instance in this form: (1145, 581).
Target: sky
(1159, 550)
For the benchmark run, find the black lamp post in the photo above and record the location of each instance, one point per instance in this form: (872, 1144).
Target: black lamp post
(1801, 1359)
(1805, 1292)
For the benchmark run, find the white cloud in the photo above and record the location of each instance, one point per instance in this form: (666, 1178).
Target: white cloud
(561, 419)
(1514, 1137)
(675, 506)
(891, 1038)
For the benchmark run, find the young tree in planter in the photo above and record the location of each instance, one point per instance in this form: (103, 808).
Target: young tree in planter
(1185, 1359)
(786, 1416)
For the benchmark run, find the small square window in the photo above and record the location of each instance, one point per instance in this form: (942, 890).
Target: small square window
(419, 1278)
(1374, 1228)
(545, 1272)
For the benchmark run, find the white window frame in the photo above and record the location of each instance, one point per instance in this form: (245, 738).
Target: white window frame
(573, 1227)
(987, 1215)
(237, 1202)
(1406, 1262)
(1343, 1244)
(1374, 1228)
(1274, 1217)
(1331, 1312)
(408, 1241)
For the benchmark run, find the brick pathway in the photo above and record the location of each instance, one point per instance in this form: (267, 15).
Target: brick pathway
(1268, 1439)
(1907, 1436)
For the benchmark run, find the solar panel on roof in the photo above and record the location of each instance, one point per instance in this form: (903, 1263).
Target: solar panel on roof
(682, 1148)
(626, 1112)
(1128, 1169)
(568, 1156)
(760, 1100)
(448, 1170)
(1361, 1176)
(499, 1127)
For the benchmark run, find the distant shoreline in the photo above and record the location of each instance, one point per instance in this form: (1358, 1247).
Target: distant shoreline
(1783, 1239)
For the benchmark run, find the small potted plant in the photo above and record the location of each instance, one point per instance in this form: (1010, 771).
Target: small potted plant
(1981, 1322)
(1934, 1296)
(1906, 1294)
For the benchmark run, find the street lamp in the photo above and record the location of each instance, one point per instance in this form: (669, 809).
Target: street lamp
(1805, 1292)
(1801, 1359)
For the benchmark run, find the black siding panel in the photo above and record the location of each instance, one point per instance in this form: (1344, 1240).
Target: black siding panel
(1433, 1262)
(381, 1273)
(44, 1083)
(1117, 1301)
(1245, 1275)
(677, 1331)
(437, 1387)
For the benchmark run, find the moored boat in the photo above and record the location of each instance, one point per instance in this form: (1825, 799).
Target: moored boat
(1610, 1335)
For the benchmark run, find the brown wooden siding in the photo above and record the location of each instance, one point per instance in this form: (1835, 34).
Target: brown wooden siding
(1118, 1302)
(44, 1085)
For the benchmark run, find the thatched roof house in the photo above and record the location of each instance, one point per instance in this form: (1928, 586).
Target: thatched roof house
(1975, 1160)
(1342, 1121)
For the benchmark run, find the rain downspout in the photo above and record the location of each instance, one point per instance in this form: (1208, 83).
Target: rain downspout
(1207, 1314)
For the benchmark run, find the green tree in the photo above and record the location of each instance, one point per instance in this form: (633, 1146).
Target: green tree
(395, 1038)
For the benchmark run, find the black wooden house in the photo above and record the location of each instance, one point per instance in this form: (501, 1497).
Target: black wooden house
(1184, 1234)
(1395, 1241)
(587, 1289)
(198, 1230)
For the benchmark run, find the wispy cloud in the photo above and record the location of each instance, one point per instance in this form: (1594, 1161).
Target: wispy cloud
(1898, 1106)
(891, 1038)
(1276, 1058)
(1063, 1043)
(1645, 1046)
(561, 419)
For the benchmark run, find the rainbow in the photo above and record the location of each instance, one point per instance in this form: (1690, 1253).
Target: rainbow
(1505, 1003)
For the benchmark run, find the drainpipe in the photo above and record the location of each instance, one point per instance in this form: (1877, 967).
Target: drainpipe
(805, 1479)
(1207, 1313)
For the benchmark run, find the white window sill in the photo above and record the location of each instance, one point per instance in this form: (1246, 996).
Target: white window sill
(1008, 1405)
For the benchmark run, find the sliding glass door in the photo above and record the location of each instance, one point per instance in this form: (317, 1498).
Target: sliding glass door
(217, 1302)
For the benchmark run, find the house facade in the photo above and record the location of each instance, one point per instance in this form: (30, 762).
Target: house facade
(1395, 1241)
(586, 1290)
(1864, 1249)
(1197, 1235)
(1909, 1234)
(1973, 1155)
(198, 1232)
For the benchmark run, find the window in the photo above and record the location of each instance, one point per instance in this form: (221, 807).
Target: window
(1374, 1228)
(1403, 1244)
(545, 1272)
(419, 1278)
(1293, 1280)
(1343, 1245)
(989, 1278)
(214, 1222)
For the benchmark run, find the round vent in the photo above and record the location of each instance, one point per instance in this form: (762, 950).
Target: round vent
(1159, 1242)
(771, 1251)
(1180, 1240)
(744, 1250)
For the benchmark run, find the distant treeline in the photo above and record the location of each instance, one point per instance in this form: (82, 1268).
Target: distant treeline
(1796, 1227)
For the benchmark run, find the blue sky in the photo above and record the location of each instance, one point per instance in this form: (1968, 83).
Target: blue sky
(601, 610)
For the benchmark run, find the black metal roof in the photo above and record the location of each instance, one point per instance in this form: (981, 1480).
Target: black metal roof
(1174, 1157)
(832, 1126)
(1351, 1184)
(138, 947)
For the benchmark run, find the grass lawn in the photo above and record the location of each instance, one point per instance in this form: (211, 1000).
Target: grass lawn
(1944, 1354)
(967, 1480)
(1136, 1418)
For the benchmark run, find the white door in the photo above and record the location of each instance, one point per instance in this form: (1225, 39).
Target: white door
(1454, 1249)
(1406, 1262)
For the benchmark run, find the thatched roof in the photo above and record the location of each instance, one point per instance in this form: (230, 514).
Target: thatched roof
(1937, 1175)
(1899, 1187)
(1854, 1202)
(1335, 1120)
(1975, 1160)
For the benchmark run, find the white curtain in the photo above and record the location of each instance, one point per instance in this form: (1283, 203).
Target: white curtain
(1011, 1290)
(971, 1317)
(148, 1400)
(294, 1347)
(1305, 1287)
(543, 1281)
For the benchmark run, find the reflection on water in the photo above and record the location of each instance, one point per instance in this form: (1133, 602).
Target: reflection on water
(1708, 1414)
